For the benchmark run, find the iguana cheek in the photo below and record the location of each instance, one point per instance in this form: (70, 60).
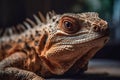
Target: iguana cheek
(59, 62)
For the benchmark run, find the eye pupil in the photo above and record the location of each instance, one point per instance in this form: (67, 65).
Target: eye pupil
(67, 24)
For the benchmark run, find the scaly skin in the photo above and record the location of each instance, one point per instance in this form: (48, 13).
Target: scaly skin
(62, 45)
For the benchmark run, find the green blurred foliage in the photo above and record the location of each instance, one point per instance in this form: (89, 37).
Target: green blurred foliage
(103, 7)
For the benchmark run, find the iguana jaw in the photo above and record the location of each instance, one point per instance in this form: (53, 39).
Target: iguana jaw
(60, 59)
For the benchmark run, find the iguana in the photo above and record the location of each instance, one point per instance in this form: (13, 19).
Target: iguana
(61, 44)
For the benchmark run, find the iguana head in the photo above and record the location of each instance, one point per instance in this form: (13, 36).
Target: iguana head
(70, 37)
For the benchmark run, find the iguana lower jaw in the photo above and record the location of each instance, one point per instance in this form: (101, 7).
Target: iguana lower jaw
(58, 61)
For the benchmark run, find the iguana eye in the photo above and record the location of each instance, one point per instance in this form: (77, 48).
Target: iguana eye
(69, 25)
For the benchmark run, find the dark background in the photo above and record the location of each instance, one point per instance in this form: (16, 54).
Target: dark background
(13, 12)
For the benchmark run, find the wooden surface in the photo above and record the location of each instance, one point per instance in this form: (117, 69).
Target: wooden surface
(98, 69)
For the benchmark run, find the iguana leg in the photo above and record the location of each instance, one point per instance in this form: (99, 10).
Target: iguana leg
(10, 68)
(18, 74)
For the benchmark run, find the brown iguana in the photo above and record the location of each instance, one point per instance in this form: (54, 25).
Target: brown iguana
(61, 44)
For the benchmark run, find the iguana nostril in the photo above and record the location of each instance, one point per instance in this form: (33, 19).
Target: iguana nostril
(95, 28)
(98, 28)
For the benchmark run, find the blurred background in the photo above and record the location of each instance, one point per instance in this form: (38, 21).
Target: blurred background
(13, 12)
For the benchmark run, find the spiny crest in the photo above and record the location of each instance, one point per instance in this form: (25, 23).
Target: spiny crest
(49, 15)
(27, 24)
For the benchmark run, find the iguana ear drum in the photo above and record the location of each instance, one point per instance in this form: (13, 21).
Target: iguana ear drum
(69, 25)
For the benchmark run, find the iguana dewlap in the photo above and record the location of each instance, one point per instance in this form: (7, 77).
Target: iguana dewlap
(61, 44)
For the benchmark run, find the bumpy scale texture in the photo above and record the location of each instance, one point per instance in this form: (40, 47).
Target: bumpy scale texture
(58, 45)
